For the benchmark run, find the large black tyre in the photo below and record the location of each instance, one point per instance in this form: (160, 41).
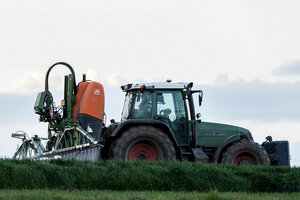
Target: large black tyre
(245, 152)
(143, 143)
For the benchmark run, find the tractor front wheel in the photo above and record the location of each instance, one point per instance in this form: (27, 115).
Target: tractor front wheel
(245, 152)
(144, 143)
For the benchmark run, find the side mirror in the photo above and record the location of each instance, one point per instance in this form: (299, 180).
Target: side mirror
(200, 97)
(198, 115)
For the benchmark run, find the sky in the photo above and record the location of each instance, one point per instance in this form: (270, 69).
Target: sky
(244, 55)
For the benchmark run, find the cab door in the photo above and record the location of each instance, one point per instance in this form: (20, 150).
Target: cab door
(171, 108)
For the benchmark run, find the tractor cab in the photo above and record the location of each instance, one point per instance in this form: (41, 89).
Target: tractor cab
(167, 102)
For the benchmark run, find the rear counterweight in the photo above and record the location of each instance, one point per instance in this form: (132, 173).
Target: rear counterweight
(278, 152)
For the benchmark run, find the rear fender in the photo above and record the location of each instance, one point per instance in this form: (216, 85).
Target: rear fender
(155, 123)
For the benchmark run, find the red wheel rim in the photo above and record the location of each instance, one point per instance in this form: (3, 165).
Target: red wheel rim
(246, 159)
(144, 150)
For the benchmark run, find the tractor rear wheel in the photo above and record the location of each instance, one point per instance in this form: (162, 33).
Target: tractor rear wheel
(245, 152)
(144, 143)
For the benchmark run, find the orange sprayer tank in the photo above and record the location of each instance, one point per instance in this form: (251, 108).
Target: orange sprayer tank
(89, 107)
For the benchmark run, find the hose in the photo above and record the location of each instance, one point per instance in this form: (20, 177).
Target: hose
(48, 72)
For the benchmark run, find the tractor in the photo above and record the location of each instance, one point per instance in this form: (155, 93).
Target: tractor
(158, 122)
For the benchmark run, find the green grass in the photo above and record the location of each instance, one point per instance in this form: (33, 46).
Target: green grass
(144, 176)
(134, 195)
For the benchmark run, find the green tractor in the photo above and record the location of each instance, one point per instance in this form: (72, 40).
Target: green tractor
(158, 122)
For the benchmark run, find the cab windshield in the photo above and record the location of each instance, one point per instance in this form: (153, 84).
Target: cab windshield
(138, 105)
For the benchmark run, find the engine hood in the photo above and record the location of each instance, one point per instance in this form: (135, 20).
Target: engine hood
(221, 129)
(210, 134)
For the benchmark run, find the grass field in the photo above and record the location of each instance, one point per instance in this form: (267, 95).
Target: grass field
(131, 195)
(144, 176)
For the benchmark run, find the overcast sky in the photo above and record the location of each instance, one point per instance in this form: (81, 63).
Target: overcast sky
(244, 55)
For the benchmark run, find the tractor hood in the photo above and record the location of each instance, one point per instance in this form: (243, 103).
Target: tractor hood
(211, 126)
(213, 134)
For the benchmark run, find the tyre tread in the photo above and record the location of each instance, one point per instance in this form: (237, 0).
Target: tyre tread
(253, 147)
(119, 147)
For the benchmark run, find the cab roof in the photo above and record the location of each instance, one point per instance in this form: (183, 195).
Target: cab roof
(157, 85)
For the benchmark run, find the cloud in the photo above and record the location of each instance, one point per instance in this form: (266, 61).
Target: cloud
(110, 80)
(222, 78)
(92, 74)
(254, 100)
(291, 67)
(27, 83)
(113, 80)
(33, 82)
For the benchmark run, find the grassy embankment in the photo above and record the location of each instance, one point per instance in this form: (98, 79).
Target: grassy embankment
(142, 176)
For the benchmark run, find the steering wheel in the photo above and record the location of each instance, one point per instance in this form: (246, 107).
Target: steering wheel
(165, 112)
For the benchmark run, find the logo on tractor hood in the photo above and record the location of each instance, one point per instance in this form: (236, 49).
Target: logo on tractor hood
(213, 134)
